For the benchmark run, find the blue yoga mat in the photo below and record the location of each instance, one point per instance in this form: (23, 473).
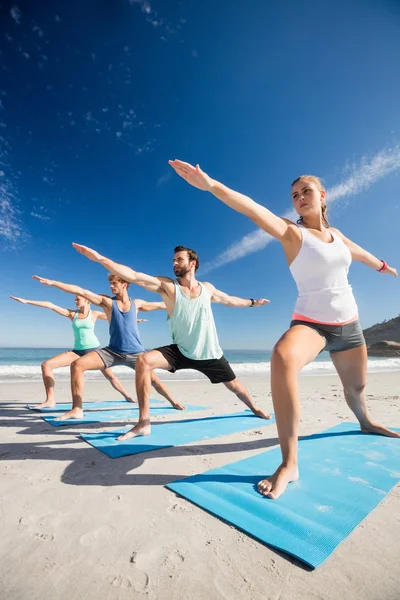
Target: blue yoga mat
(344, 475)
(165, 435)
(110, 404)
(105, 416)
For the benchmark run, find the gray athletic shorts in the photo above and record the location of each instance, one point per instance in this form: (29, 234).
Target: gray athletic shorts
(111, 358)
(338, 337)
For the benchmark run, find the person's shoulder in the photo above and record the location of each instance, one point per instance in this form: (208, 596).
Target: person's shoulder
(208, 285)
(165, 279)
(335, 231)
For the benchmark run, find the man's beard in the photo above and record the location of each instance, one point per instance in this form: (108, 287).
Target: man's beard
(181, 271)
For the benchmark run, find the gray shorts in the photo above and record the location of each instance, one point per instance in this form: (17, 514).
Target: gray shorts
(338, 337)
(111, 358)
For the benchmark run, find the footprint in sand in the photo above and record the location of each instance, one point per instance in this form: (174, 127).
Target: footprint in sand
(100, 535)
(174, 558)
(115, 498)
(138, 581)
(45, 537)
(176, 508)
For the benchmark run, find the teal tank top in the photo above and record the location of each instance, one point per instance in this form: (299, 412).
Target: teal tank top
(192, 325)
(83, 329)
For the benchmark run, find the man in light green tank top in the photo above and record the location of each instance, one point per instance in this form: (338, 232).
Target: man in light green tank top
(192, 325)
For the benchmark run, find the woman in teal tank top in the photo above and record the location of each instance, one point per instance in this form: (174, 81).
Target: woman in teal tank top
(83, 321)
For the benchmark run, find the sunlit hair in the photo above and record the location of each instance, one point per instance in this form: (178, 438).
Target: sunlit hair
(191, 253)
(113, 277)
(320, 186)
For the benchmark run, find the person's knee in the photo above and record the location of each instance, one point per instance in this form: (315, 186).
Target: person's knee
(234, 386)
(45, 366)
(355, 389)
(284, 355)
(76, 368)
(144, 362)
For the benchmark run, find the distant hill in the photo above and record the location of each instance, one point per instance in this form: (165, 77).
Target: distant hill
(387, 331)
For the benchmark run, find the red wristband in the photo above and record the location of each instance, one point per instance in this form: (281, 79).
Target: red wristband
(383, 267)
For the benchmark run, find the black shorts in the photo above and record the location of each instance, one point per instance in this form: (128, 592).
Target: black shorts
(218, 370)
(338, 337)
(81, 353)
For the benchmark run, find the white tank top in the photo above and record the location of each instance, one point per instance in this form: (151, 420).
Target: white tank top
(320, 271)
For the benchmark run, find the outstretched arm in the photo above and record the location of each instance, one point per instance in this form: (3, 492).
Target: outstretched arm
(144, 306)
(261, 216)
(96, 299)
(148, 282)
(221, 298)
(61, 311)
(361, 255)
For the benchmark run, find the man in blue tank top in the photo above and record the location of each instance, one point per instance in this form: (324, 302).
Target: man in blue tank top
(193, 331)
(125, 346)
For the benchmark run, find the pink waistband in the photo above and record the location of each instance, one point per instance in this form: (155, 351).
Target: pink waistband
(297, 317)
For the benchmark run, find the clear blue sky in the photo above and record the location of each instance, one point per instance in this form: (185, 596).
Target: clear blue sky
(97, 96)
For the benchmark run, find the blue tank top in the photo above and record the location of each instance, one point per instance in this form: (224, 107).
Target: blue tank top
(124, 331)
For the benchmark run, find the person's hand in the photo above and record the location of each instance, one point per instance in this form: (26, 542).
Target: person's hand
(42, 280)
(19, 300)
(193, 175)
(88, 252)
(261, 302)
(390, 271)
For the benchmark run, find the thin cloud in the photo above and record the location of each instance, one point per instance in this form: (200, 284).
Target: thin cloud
(40, 216)
(16, 14)
(38, 30)
(11, 229)
(154, 19)
(164, 178)
(360, 176)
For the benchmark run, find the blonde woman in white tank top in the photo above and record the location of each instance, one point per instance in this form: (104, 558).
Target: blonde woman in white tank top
(325, 316)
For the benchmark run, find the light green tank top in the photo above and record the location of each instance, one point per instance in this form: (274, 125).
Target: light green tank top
(84, 333)
(192, 325)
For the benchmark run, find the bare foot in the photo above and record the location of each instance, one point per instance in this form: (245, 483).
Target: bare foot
(75, 413)
(131, 400)
(46, 404)
(178, 406)
(379, 430)
(274, 486)
(141, 428)
(261, 413)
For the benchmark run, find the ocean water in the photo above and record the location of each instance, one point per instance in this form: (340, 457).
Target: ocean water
(23, 364)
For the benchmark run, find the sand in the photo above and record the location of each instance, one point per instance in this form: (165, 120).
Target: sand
(76, 524)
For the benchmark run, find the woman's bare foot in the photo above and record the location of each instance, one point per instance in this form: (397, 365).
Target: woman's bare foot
(141, 428)
(379, 430)
(75, 413)
(46, 404)
(132, 400)
(261, 413)
(274, 486)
